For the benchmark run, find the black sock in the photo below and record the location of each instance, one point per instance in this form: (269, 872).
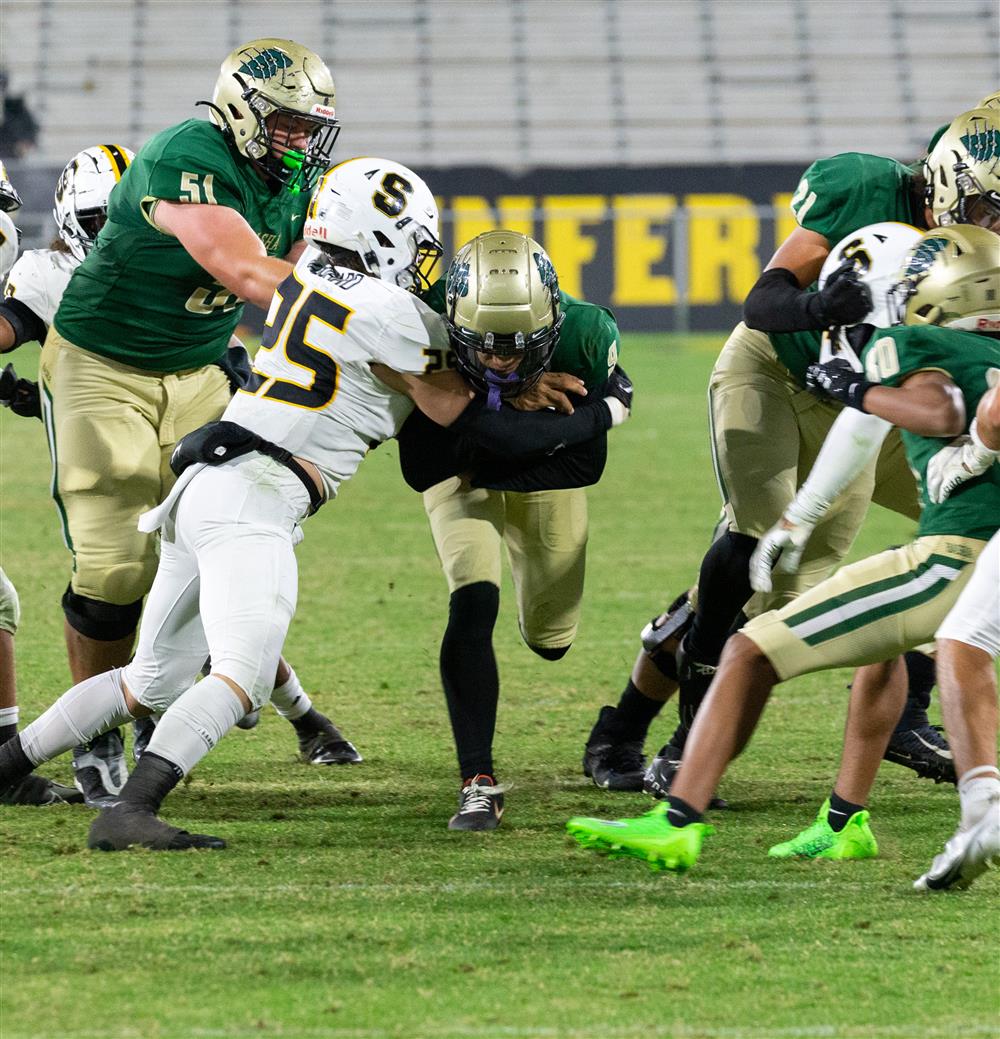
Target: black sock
(921, 675)
(723, 591)
(469, 675)
(680, 813)
(7, 732)
(14, 763)
(311, 721)
(150, 782)
(632, 716)
(840, 811)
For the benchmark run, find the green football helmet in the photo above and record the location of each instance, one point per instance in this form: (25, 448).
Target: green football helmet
(503, 314)
(274, 99)
(951, 278)
(963, 171)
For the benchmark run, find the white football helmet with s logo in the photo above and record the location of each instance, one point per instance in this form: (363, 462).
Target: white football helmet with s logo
(873, 255)
(382, 211)
(82, 192)
(10, 200)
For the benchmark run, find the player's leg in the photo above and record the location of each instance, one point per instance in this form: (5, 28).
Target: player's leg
(876, 608)
(101, 419)
(847, 620)
(245, 511)
(915, 743)
(968, 644)
(32, 789)
(168, 656)
(467, 525)
(320, 741)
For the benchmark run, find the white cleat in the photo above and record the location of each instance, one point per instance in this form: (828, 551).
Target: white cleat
(967, 855)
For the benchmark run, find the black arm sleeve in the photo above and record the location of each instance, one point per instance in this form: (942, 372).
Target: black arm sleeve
(27, 325)
(531, 434)
(777, 304)
(429, 453)
(577, 466)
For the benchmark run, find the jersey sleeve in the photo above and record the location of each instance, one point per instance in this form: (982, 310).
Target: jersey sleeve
(410, 336)
(27, 284)
(827, 195)
(589, 346)
(191, 168)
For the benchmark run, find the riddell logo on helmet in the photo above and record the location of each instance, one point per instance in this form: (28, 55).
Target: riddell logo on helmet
(324, 110)
(988, 324)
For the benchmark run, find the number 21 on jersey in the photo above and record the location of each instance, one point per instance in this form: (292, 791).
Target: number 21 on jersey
(289, 329)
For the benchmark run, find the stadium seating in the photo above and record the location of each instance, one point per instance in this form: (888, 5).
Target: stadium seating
(522, 83)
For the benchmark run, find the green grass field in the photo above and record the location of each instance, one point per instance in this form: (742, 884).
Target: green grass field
(344, 908)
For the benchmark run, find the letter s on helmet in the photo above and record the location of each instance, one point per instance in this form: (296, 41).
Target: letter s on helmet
(269, 92)
(382, 211)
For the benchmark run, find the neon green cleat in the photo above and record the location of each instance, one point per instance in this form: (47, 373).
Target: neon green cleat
(820, 841)
(650, 837)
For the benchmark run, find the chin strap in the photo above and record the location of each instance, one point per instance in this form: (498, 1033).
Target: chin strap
(494, 383)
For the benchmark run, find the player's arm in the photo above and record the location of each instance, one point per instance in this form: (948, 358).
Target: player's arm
(19, 324)
(971, 455)
(224, 244)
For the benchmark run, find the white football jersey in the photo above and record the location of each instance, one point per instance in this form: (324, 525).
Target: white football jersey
(39, 279)
(313, 391)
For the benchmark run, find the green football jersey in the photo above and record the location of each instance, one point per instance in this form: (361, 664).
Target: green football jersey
(139, 297)
(836, 196)
(890, 357)
(589, 341)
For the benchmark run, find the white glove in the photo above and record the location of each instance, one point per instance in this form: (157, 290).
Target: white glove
(965, 457)
(787, 539)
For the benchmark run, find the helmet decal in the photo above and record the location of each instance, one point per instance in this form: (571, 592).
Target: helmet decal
(547, 272)
(982, 145)
(922, 257)
(266, 64)
(458, 280)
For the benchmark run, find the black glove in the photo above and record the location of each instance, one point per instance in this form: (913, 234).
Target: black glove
(837, 380)
(619, 385)
(20, 395)
(844, 299)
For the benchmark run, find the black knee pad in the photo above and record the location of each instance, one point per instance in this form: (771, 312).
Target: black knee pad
(101, 621)
(550, 652)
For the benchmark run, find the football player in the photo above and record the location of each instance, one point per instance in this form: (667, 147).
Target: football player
(968, 642)
(924, 377)
(767, 430)
(32, 790)
(312, 409)
(508, 323)
(207, 215)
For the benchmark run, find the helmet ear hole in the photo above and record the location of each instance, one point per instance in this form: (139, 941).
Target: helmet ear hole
(383, 239)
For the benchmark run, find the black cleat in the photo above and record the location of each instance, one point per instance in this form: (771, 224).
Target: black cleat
(660, 775)
(37, 791)
(480, 805)
(326, 745)
(99, 769)
(924, 750)
(612, 764)
(125, 826)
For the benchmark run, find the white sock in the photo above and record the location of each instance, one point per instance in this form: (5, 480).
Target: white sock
(193, 724)
(976, 790)
(290, 699)
(9, 715)
(91, 707)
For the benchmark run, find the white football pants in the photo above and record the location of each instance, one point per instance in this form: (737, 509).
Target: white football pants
(975, 617)
(226, 584)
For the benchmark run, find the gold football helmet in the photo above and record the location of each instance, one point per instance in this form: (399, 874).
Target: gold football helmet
(275, 100)
(503, 314)
(951, 277)
(990, 101)
(963, 171)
